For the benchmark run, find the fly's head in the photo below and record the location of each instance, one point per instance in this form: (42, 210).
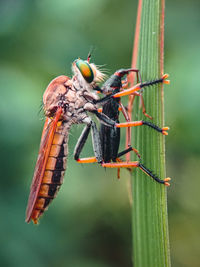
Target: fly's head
(86, 74)
(55, 95)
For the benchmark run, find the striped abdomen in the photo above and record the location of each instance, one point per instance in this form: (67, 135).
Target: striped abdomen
(54, 171)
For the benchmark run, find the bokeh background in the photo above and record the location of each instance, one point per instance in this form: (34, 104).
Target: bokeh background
(89, 223)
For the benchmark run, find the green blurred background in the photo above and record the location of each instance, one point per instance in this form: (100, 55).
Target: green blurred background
(89, 223)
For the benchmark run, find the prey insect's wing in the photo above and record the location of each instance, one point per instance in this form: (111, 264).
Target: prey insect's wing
(45, 147)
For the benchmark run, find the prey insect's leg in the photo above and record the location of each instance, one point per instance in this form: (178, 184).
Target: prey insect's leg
(123, 72)
(143, 105)
(137, 164)
(140, 123)
(124, 152)
(139, 86)
(107, 121)
(125, 86)
(126, 116)
(96, 143)
(129, 111)
(124, 112)
(133, 89)
(132, 92)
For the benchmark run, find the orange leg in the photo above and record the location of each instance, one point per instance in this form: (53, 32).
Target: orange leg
(140, 123)
(143, 105)
(118, 169)
(87, 160)
(137, 164)
(129, 91)
(132, 92)
(139, 86)
(126, 116)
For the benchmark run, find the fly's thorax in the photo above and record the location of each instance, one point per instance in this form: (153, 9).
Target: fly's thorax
(83, 97)
(76, 117)
(90, 96)
(58, 93)
(80, 85)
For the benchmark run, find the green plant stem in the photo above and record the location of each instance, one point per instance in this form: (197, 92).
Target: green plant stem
(149, 210)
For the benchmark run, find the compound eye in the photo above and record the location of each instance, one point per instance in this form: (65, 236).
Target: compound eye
(85, 70)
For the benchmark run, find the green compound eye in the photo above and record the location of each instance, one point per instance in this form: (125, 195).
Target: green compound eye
(85, 70)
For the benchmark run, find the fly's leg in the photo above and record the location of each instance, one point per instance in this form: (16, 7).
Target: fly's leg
(81, 141)
(95, 141)
(137, 164)
(104, 119)
(80, 144)
(124, 152)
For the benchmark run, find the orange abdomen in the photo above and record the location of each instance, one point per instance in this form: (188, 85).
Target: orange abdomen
(54, 172)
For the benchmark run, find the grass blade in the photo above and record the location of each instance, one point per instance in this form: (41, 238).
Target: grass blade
(149, 210)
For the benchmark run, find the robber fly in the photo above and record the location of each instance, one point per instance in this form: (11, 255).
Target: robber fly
(65, 101)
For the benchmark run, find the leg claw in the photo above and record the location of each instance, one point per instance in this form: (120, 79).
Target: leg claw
(166, 180)
(164, 130)
(164, 77)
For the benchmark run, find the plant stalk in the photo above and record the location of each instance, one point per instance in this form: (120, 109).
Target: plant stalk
(149, 209)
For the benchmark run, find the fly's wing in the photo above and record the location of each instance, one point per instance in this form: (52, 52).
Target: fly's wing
(45, 147)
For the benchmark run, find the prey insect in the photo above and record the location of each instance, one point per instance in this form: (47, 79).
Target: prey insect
(110, 136)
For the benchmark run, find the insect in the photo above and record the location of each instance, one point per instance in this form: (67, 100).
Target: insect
(110, 136)
(65, 102)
